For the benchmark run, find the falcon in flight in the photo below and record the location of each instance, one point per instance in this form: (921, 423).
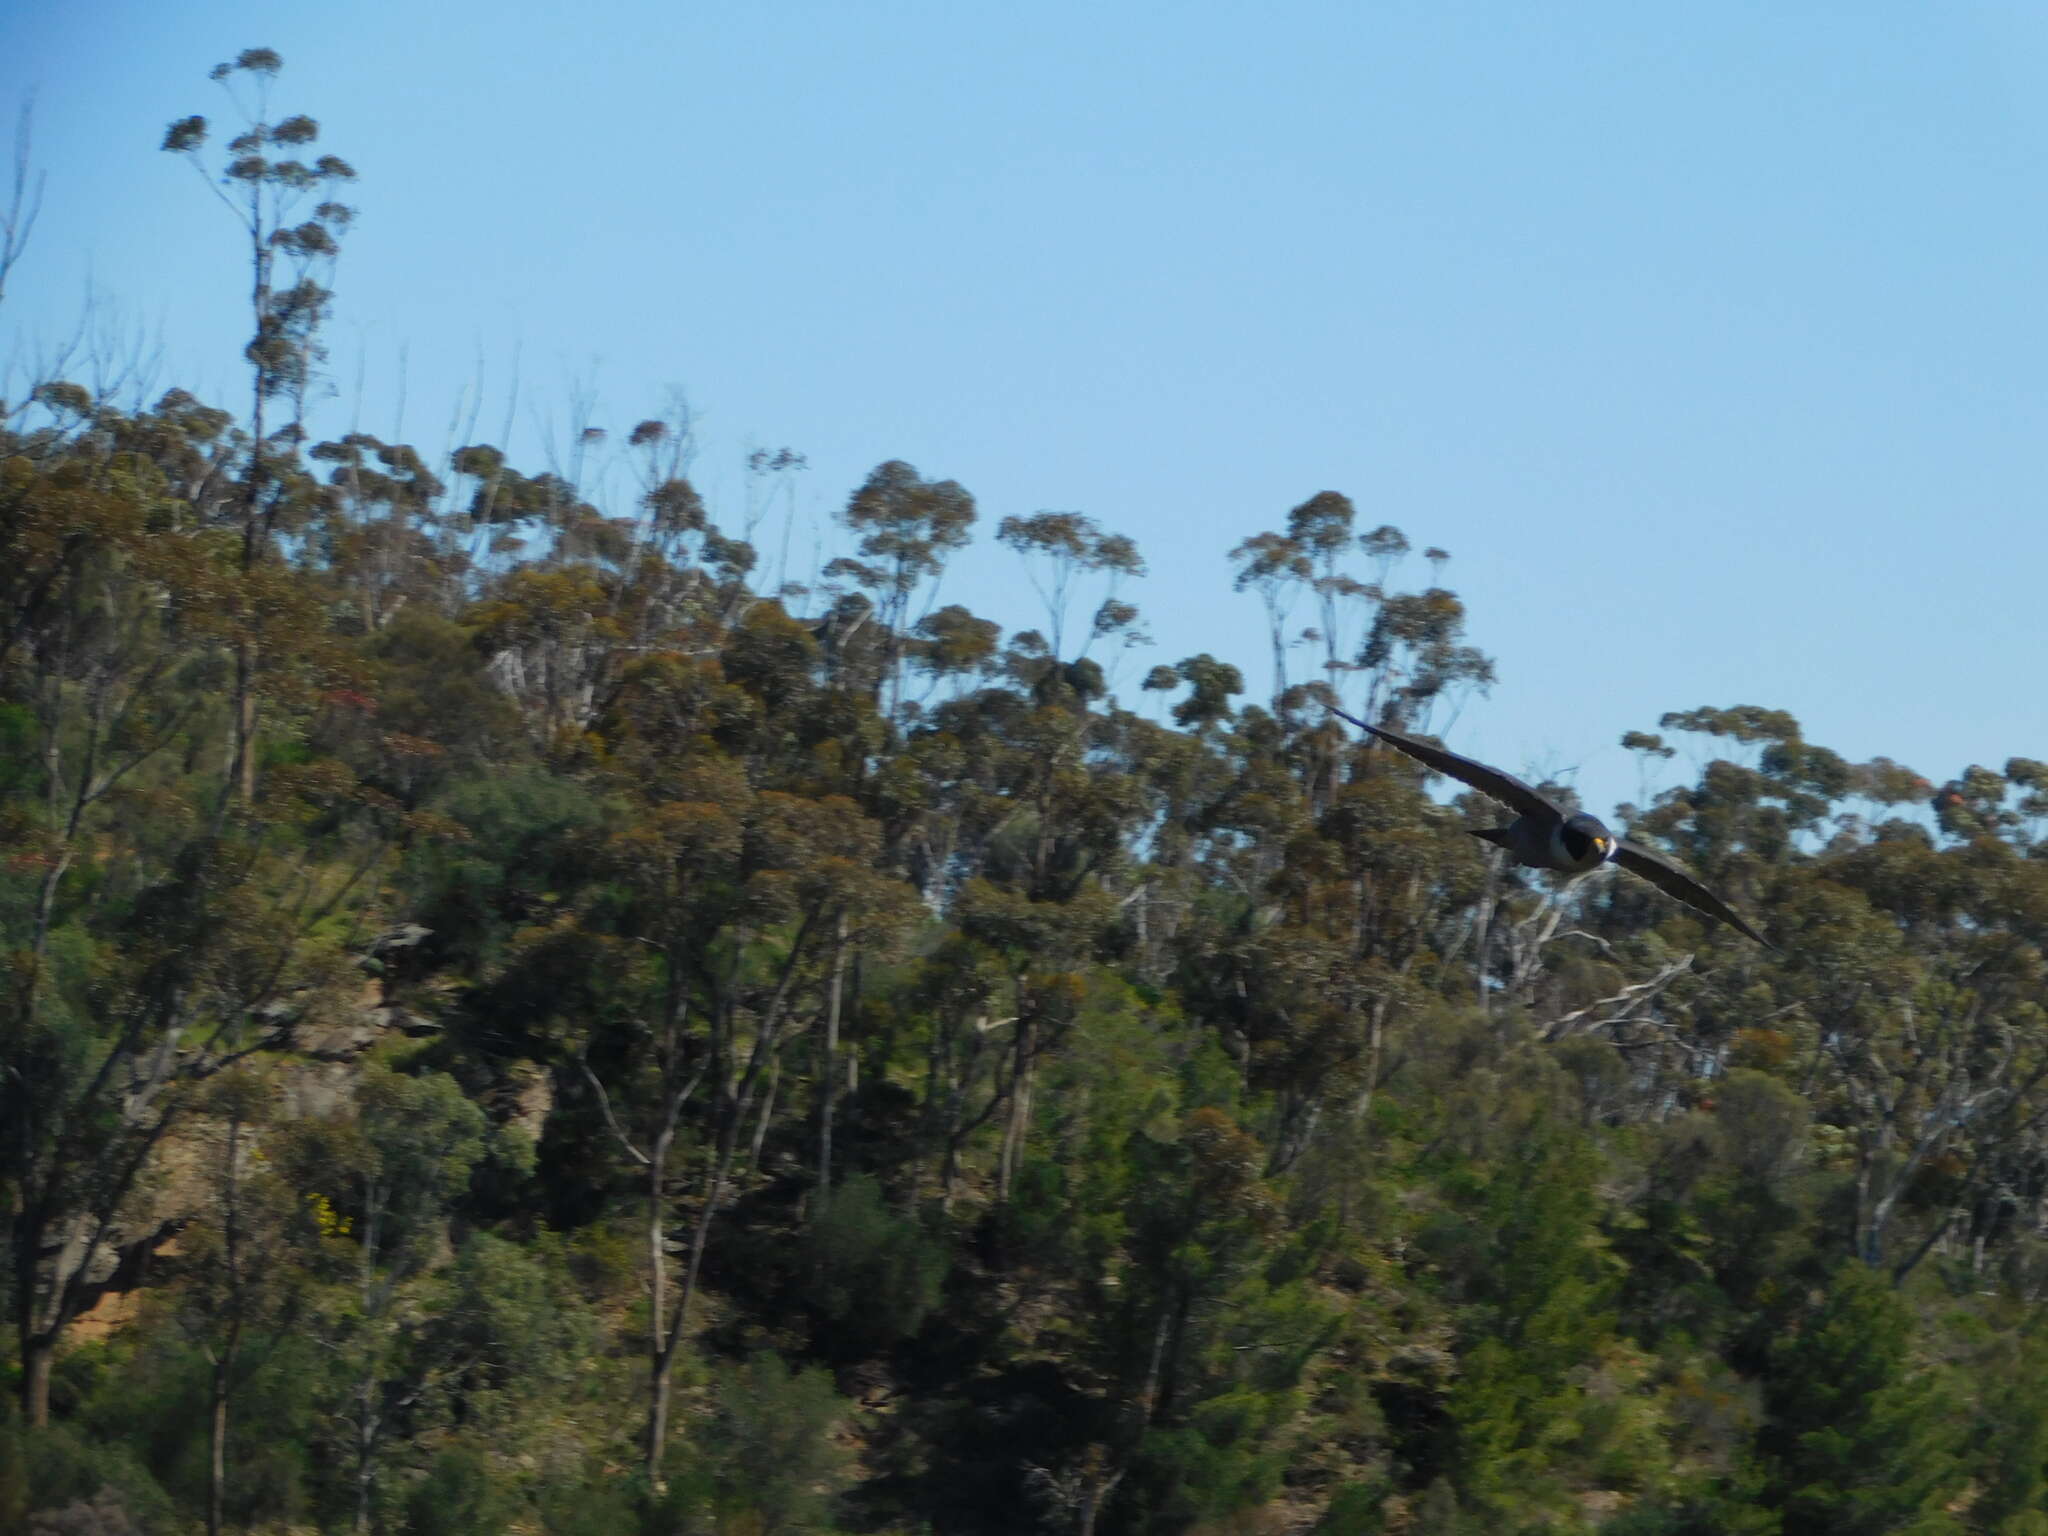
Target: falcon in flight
(1544, 835)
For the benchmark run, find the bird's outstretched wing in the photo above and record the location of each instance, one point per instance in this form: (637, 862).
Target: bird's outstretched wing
(1504, 787)
(1673, 881)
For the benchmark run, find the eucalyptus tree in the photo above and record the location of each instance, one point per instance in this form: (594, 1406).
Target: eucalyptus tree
(870, 912)
(1319, 962)
(171, 929)
(677, 859)
(1157, 873)
(94, 622)
(266, 186)
(1320, 529)
(954, 646)
(956, 991)
(1414, 653)
(387, 1170)
(1042, 948)
(1058, 548)
(243, 1278)
(908, 526)
(1275, 567)
(171, 964)
(380, 527)
(1647, 747)
(749, 902)
(1923, 976)
(1203, 1338)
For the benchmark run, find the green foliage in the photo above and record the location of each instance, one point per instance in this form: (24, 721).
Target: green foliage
(15, 1492)
(462, 1494)
(1357, 1509)
(1859, 1440)
(1537, 1277)
(765, 1461)
(873, 1275)
(524, 836)
(592, 1506)
(480, 973)
(17, 734)
(1229, 1457)
(417, 1138)
(511, 1323)
(66, 1470)
(1700, 1507)
(2010, 1444)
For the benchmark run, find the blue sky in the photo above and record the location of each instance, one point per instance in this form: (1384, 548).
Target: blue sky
(1711, 341)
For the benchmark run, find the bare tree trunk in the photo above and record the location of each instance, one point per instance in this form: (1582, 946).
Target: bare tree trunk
(1093, 1498)
(657, 1412)
(700, 1233)
(366, 1455)
(1018, 1127)
(224, 1357)
(217, 1460)
(368, 1417)
(1482, 923)
(51, 1295)
(937, 1052)
(1375, 1057)
(664, 1333)
(1276, 624)
(829, 1086)
(46, 902)
(1907, 1265)
(242, 765)
(35, 1380)
(245, 721)
(733, 1115)
(1110, 1469)
(661, 1358)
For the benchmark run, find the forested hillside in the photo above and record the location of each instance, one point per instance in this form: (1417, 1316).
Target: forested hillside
(514, 1023)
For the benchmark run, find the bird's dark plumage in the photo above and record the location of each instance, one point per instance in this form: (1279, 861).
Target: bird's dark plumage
(1504, 787)
(1673, 881)
(1544, 835)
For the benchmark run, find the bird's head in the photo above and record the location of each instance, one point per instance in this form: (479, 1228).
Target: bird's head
(1586, 837)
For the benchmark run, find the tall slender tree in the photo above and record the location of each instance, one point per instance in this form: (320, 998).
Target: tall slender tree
(267, 187)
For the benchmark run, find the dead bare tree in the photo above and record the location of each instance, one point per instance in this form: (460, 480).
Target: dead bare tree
(24, 199)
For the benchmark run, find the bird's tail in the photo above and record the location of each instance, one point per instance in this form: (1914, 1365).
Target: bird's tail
(1498, 836)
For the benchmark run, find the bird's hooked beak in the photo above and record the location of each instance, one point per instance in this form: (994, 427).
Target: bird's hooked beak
(1605, 847)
